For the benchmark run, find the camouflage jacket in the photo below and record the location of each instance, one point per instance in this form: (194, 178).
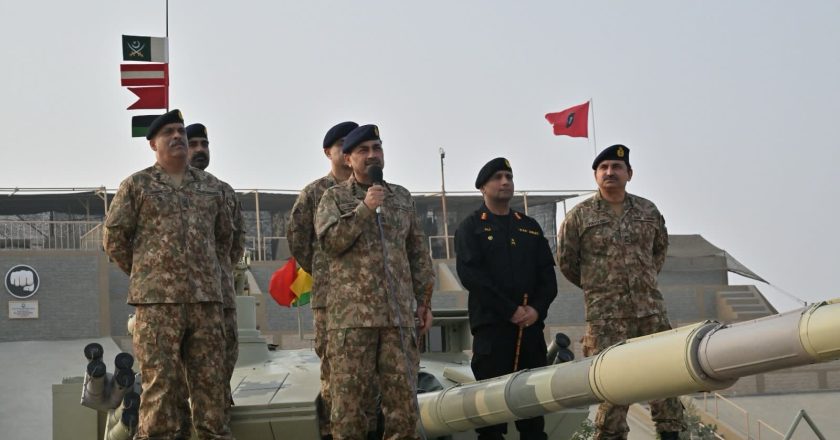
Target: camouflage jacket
(615, 260)
(303, 243)
(361, 280)
(170, 240)
(236, 248)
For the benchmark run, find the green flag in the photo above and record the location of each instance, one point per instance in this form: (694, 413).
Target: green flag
(140, 125)
(149, 49)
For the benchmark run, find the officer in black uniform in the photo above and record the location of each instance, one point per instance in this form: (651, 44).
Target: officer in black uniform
(502, 255)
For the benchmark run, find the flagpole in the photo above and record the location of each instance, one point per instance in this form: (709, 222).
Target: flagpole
(167, 56)
(594, 139)
(443, 203)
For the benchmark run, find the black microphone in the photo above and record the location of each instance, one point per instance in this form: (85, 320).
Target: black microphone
(375, 174)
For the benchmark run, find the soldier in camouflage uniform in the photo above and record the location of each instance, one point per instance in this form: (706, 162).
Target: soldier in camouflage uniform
(168, 227)
(199, 157)
(304, 246)
(502, 255)
(613, 246)
(375, 286)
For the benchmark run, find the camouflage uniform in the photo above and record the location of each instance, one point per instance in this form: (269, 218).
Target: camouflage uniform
(304, 246)
(370, 308)
(170, 240)
(237, 248)
(616, 260)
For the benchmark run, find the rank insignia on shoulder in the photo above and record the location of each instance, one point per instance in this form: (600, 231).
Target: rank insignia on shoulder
(490, 237)
(484, 216)
(517, 215)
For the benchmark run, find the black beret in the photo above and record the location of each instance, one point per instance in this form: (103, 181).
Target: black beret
(197, 131)
(338, 132)
(360, 134)
(490, 168)
(166, 118)
(615, 152)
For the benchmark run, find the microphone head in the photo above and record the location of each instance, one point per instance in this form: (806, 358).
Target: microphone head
(375, 174)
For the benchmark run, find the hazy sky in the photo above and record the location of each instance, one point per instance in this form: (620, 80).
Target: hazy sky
(730, 108)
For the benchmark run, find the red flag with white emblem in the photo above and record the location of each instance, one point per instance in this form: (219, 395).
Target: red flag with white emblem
(573, 121)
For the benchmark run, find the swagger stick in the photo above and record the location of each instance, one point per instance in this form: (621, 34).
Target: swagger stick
(519, 338)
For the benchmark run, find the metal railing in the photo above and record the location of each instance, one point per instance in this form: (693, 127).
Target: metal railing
(50, 235)
(769, 428)
(762, 428)
(715, 398)
(87, 235)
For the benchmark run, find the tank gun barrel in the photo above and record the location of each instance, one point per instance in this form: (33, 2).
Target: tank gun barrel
(700, 357)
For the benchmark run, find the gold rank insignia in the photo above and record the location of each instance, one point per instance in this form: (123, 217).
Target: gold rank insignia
(484, 216)
(513, 242)
(619, 152)
(490, 237)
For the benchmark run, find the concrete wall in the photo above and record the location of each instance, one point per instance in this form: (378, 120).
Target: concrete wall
(72, 286)
(83, 295)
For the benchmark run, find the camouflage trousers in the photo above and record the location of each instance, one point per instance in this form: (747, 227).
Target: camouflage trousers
(360, 358)
(231, 355)
(611, 420)
(319, 322)
(180, 347)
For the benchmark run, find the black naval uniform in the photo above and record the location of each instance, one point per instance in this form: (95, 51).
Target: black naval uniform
(499, 259)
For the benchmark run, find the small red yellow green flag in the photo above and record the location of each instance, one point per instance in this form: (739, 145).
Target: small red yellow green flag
(291, 288)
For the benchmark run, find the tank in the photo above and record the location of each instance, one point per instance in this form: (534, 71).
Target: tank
(275, 391)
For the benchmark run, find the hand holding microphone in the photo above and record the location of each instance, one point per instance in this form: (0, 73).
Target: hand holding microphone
(376, 193)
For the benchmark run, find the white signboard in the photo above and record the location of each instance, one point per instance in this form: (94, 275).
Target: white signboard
(23, 309)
